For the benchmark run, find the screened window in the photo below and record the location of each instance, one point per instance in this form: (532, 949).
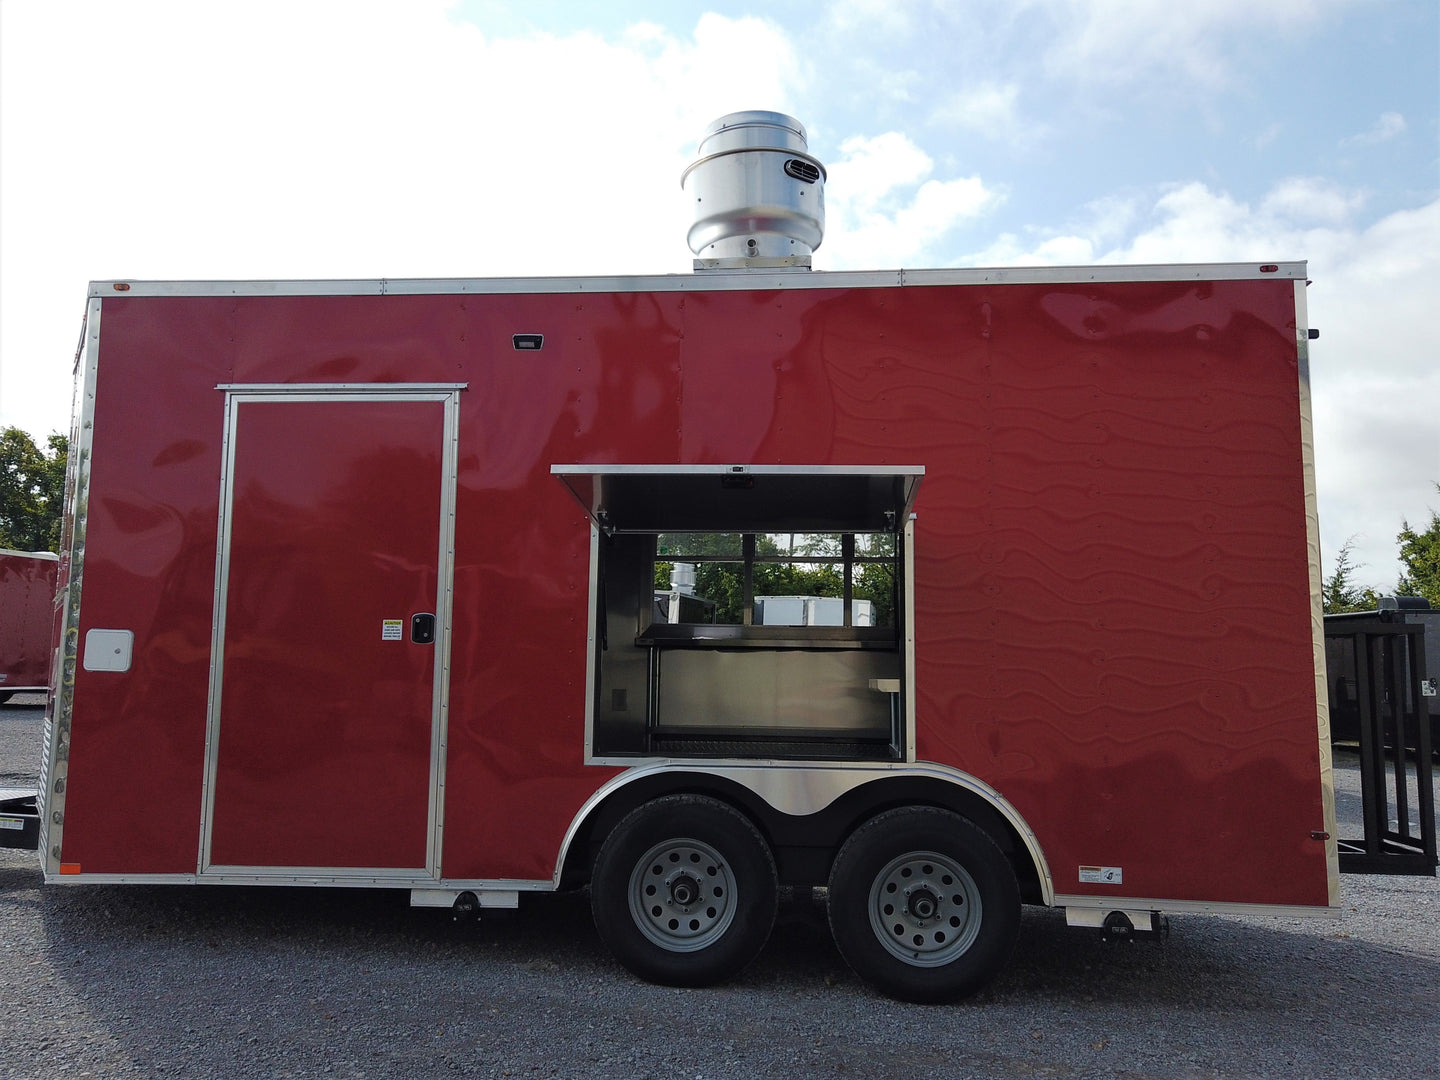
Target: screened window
(776, 579)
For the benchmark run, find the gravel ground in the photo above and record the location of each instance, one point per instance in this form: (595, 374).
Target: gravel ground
(141, 981)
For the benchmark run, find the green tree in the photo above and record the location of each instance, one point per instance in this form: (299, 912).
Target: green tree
(722, 583)
(1340, 593)
(876, 582)
(1420, 552)
(32, 491)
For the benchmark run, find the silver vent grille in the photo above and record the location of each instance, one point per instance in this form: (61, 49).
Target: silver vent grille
(803, 171)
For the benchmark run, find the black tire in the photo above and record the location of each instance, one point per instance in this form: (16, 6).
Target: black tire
(960, 915)
(684, 891)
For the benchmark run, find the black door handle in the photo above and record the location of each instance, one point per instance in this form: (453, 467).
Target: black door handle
(422, 628)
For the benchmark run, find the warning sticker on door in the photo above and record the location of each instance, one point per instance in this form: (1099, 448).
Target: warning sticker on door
(392, 629)
(1101, 875)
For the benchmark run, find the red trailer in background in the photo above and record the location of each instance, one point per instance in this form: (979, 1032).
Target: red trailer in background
(27, 618)
(361, 583)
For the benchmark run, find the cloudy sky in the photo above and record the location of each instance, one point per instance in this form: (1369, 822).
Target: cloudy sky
(426, 138)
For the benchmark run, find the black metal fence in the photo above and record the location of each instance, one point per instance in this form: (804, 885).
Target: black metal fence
(1380, 697)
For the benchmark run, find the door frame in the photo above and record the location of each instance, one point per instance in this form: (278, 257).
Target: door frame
(236, 395)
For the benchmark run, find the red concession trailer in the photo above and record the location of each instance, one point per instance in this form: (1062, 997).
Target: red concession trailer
(360, 582)
(27, 619)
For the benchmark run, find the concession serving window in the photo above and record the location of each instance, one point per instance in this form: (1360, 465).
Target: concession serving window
(748, 611)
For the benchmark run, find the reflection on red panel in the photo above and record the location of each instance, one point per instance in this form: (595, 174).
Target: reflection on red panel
(1112, 596)
(27, 610)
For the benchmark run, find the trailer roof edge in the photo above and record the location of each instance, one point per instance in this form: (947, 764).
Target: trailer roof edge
(709, 281)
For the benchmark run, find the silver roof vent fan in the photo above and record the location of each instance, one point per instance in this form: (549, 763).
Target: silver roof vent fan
(759, 197)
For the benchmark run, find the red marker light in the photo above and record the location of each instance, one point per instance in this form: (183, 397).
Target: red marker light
(1269, 268)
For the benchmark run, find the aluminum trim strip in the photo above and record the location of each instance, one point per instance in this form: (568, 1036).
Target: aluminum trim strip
(909, 719)
(120, 879)
(798, 789)
(738, 470)
(405, 389)
(444, 614)
(307, 396)
(1196, 907)
(1317, 602)
(592, 643)
(710, 281)
(217, 632)
(236, 395)
(1064, 275)
(60, 711)
(399, 876)
(285, 876)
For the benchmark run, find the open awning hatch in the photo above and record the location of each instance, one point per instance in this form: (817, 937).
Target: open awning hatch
(744, 498)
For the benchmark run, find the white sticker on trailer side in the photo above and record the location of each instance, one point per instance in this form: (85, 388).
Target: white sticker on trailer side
(392, 629)
(1102, 875)
(12, 823)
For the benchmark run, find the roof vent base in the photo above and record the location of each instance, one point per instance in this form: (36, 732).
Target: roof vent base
(787, 262)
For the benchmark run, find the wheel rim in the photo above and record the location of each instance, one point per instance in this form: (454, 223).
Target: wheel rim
(925, 908)
(682, 895)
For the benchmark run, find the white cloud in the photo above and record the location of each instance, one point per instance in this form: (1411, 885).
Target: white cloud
(1120, 41)
(1263, 140)
(1034, 249)
(1307, 199)
(873, 168)
(942, 204)
(1103, 223)
(988, 109)
(1377, 383)
(902, 86)
(1198, 225)
(1387, 127)
(882, 208)
(887, 17)
(1108, 220)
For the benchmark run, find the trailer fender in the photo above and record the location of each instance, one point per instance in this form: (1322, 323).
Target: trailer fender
(788, 792)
